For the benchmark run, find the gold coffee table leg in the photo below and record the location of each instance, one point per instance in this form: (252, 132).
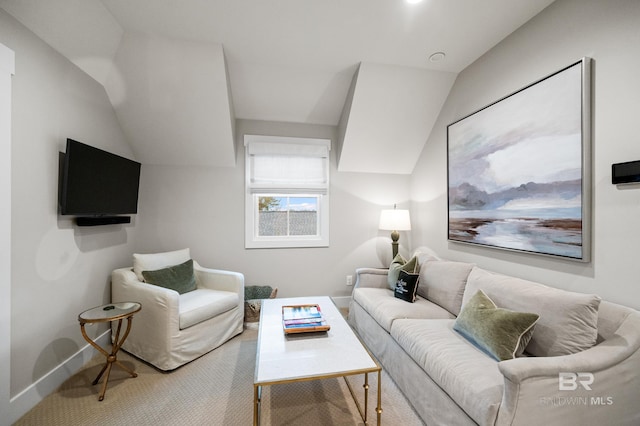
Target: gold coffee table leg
(257, 396)
(366, 396)
(363, 413)
(379, 407)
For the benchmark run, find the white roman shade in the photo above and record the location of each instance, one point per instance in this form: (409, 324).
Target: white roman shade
(286, 164)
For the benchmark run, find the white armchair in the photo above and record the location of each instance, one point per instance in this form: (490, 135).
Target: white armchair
(173, 329)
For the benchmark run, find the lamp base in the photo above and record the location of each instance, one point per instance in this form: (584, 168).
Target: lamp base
(395, 236)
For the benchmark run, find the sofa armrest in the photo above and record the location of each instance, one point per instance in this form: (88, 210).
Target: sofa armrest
(598, 358)
(371, 277)
(605, 380)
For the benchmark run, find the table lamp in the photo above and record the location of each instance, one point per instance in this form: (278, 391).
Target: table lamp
(395, 220)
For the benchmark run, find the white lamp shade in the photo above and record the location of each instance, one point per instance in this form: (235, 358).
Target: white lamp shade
(395, 220)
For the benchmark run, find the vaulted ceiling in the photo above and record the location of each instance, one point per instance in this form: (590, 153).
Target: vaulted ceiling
(179, 73)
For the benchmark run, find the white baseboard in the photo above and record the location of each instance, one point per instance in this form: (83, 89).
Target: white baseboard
(31, 396)
(341, 301)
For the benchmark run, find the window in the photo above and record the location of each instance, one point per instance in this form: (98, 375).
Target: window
(287, 192)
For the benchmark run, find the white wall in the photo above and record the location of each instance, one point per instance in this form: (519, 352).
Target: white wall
(57, 269)
(203, 208)
(166, 90)
(562, 34)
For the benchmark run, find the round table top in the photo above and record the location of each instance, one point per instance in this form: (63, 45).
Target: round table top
(110, 312)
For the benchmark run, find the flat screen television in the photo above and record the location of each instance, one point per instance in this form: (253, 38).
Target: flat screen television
(97, 184)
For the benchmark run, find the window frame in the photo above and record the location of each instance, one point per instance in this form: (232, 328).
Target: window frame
(255, 190)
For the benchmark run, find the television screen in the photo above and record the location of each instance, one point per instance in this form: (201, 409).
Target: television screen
(97, 183)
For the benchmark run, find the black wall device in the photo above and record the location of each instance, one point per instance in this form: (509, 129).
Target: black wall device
(106, 220)
(628, 172)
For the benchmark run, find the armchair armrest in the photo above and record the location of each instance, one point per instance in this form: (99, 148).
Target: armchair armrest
(159, 317)
(371, 277)
(125, 286)
(217, 279)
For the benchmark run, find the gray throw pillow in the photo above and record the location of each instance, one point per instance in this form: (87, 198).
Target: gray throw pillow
(400, 264)
(502, 333)
(180, 278)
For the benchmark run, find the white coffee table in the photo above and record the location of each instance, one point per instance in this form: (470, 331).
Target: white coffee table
(335, 353)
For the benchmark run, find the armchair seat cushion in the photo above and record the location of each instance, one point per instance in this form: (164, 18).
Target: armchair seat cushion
(201, 304)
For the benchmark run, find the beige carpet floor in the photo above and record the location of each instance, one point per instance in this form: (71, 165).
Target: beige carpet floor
(216, 389)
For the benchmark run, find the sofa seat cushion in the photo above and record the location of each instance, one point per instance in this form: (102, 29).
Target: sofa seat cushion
(201, 304)
(381, 304)
(469, 376)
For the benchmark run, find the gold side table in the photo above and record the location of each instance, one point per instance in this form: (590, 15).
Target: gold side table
(109, 313)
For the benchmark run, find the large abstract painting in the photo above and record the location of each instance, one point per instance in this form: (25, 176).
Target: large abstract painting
(519, 169)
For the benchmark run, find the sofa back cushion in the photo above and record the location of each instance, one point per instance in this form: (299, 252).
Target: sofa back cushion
(568, 321)
(443, 282)
(424, 253)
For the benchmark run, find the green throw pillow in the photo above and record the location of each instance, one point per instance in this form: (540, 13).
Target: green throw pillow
(399, 264)
(502, 333)
(180, 278)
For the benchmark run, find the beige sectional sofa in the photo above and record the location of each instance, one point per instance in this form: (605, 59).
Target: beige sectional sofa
(581, 366)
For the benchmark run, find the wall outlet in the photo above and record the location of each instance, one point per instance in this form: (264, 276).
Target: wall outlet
(349, 279)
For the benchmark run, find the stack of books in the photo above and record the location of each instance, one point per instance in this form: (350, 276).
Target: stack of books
(303, 319)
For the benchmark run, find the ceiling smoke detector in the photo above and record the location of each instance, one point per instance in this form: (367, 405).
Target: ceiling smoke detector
(437, 57)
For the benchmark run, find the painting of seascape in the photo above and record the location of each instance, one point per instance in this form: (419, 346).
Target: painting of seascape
(518, 175)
